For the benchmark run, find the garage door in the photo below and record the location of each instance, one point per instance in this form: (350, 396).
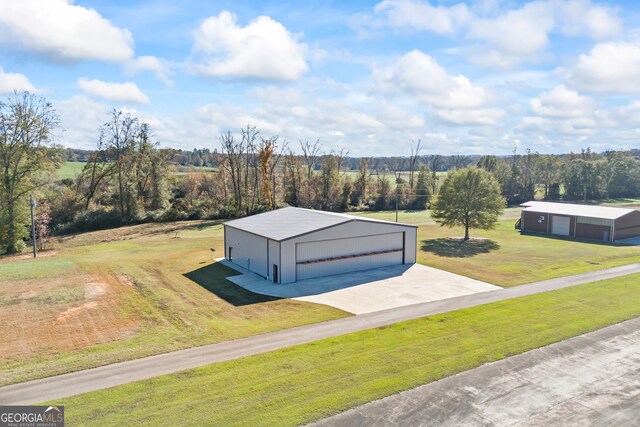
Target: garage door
(560, 225)
(335, 256)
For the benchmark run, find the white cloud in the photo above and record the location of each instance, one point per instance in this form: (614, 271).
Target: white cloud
(10, 82)
(81, 117)
(563, 112)
(60, 30)
(476, 116)
(424, 16)
(118, 92)
(628, 114)
(161, 68)
(454, 98)
(418, 74)
(516, 35)
(581, 17)
(500, 38)
(609, 67)
(264, 49)
(397, 117)
(561, 102)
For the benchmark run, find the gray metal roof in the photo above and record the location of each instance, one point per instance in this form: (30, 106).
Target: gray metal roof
(589, 211)
(287, 223)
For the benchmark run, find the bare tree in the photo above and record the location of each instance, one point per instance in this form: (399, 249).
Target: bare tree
(435, 162)
(293, 171)
(310, 154)
(249, 139)
(232, 151)
(278, 152)
(459, 161)
(99, 169)
(413, 162)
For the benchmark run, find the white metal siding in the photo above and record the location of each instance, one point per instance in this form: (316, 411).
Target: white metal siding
(308, 271)
(410, 244)
(248, 250)
(560, 225)
(306, 251)
(347, 247)
(350, 229)
(274, 259)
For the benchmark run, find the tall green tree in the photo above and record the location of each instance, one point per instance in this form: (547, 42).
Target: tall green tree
(470, 198)
(423, 189)
(26, 125)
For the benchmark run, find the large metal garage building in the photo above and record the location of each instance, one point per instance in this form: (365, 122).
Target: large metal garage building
(291, 244)
(581, 221)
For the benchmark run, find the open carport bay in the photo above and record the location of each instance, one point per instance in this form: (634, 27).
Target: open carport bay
(370, 290)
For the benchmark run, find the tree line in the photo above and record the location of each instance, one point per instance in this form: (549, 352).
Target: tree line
(128, 178)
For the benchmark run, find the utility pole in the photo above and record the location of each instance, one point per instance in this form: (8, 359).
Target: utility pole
(33, 225)
(396, 203)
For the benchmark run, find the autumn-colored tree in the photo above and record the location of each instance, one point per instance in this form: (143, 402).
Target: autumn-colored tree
(27, 122)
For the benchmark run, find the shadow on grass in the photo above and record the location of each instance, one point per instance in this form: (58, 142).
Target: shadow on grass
(213, 278)
(458, 248)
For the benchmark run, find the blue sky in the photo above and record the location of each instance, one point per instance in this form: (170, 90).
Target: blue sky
(371, 77)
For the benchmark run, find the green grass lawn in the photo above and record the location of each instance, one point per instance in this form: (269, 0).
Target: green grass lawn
(311, 381)
(506, 257)
(121, 294)
(148, 289)
(70, 170)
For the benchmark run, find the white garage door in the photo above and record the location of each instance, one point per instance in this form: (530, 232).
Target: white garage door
(335, 256)
(560, 225)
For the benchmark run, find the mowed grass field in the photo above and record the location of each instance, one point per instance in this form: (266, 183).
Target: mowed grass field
(70, 170)
(114, 295)
(503, 256)
(301, 384)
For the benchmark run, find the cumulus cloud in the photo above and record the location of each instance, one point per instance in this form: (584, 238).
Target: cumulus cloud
(477, 116)
(562, 111)
(581, 17)
(455, 98)
(609, 67)
(502, 38)
(420, 75)
(81, 117)
(161, 68)
(60, 30)
(118, 92)
(10, 82)
(422, 15)
(264, 49)
(561, 102)
(628, 114)
(515, 35)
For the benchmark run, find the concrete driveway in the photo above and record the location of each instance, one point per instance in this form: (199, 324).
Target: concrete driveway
(370, 290)
(593, 379)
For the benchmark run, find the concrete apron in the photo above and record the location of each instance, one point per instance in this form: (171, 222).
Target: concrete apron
(367, 291)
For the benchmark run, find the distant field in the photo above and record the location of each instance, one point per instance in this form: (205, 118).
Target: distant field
(73, 169)
(304, 383)
(184, 170)
(353, 174)
(121, 294)
(70, 170)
